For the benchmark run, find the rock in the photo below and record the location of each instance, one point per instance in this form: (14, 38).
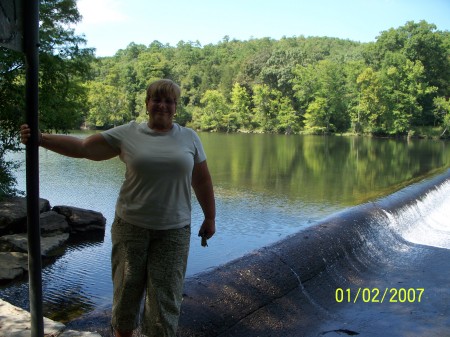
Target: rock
(56, 227)
(14, 243)
(50, 243)
(52, 222)
(82, 220)
(19, 243)
(16, 322)
(14, 253)
(12, 265)
(13, 214)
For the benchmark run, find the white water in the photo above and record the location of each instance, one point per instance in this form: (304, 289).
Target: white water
(427, 221)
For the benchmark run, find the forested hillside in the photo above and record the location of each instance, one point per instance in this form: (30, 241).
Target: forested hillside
(315, 84)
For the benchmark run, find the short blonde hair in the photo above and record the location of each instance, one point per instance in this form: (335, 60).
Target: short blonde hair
(163, 88)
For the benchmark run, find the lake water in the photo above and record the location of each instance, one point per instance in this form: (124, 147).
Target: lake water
(266, 186)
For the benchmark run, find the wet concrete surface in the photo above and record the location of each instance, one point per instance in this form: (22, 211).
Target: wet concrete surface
(388, 286)
(314, 307)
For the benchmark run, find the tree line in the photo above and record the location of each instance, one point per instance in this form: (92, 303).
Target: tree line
(318, 85)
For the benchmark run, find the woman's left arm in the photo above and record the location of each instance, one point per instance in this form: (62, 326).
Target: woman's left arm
(203, 188)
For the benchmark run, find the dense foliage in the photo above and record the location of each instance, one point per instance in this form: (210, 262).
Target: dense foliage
(64, 67)
(317, 84)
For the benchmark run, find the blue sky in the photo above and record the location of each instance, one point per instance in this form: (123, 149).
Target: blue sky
(110, 25)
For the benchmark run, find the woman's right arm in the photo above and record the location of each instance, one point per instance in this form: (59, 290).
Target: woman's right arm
(94, 147)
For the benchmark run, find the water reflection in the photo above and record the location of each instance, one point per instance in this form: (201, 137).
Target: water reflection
(341, 170)
(267, 187)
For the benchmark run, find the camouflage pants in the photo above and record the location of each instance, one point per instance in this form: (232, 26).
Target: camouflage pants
(151, 262)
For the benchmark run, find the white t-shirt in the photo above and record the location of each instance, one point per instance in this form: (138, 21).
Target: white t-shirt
(156, 193)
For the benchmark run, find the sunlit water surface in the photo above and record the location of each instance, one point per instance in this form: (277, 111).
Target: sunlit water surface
(266, 186)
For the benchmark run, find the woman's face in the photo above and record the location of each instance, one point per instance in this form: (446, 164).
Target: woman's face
(161, 111)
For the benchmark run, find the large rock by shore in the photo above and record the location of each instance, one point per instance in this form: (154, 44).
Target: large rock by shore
(57, 225)
(13, 264)
(13, 214)
(81, 220)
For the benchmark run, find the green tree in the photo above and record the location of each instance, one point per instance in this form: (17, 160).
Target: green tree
(263, 109)
(288, 118)
(367, 114)
(241, 107)
(185, 68)
(108, 106)
(404, 83)
(305, 86)
(277, 72)
(442, 112)
(214, 113)
(273, 112)
(64, 66)
(323, 85)
(318, 117)
(418, 42)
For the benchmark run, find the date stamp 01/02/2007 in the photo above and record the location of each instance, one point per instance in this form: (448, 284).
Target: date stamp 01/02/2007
(377, 295)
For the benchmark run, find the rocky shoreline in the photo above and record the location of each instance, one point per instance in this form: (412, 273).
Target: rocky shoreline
(58, 225)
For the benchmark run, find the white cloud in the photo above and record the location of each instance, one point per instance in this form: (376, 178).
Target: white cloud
(101, 11)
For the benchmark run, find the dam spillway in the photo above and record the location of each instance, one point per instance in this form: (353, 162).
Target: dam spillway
(377, 269)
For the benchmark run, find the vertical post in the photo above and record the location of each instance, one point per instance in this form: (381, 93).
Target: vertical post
(31, 48)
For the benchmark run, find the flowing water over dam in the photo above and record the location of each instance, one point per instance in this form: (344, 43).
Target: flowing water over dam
(378, 269)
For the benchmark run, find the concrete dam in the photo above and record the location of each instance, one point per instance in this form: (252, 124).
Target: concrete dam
(378, 269)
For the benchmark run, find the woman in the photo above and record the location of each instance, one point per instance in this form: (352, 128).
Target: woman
(151, 229)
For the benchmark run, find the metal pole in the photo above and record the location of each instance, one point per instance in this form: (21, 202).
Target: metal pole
(31, 47)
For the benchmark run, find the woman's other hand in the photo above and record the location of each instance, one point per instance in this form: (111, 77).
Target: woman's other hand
(207, 230)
